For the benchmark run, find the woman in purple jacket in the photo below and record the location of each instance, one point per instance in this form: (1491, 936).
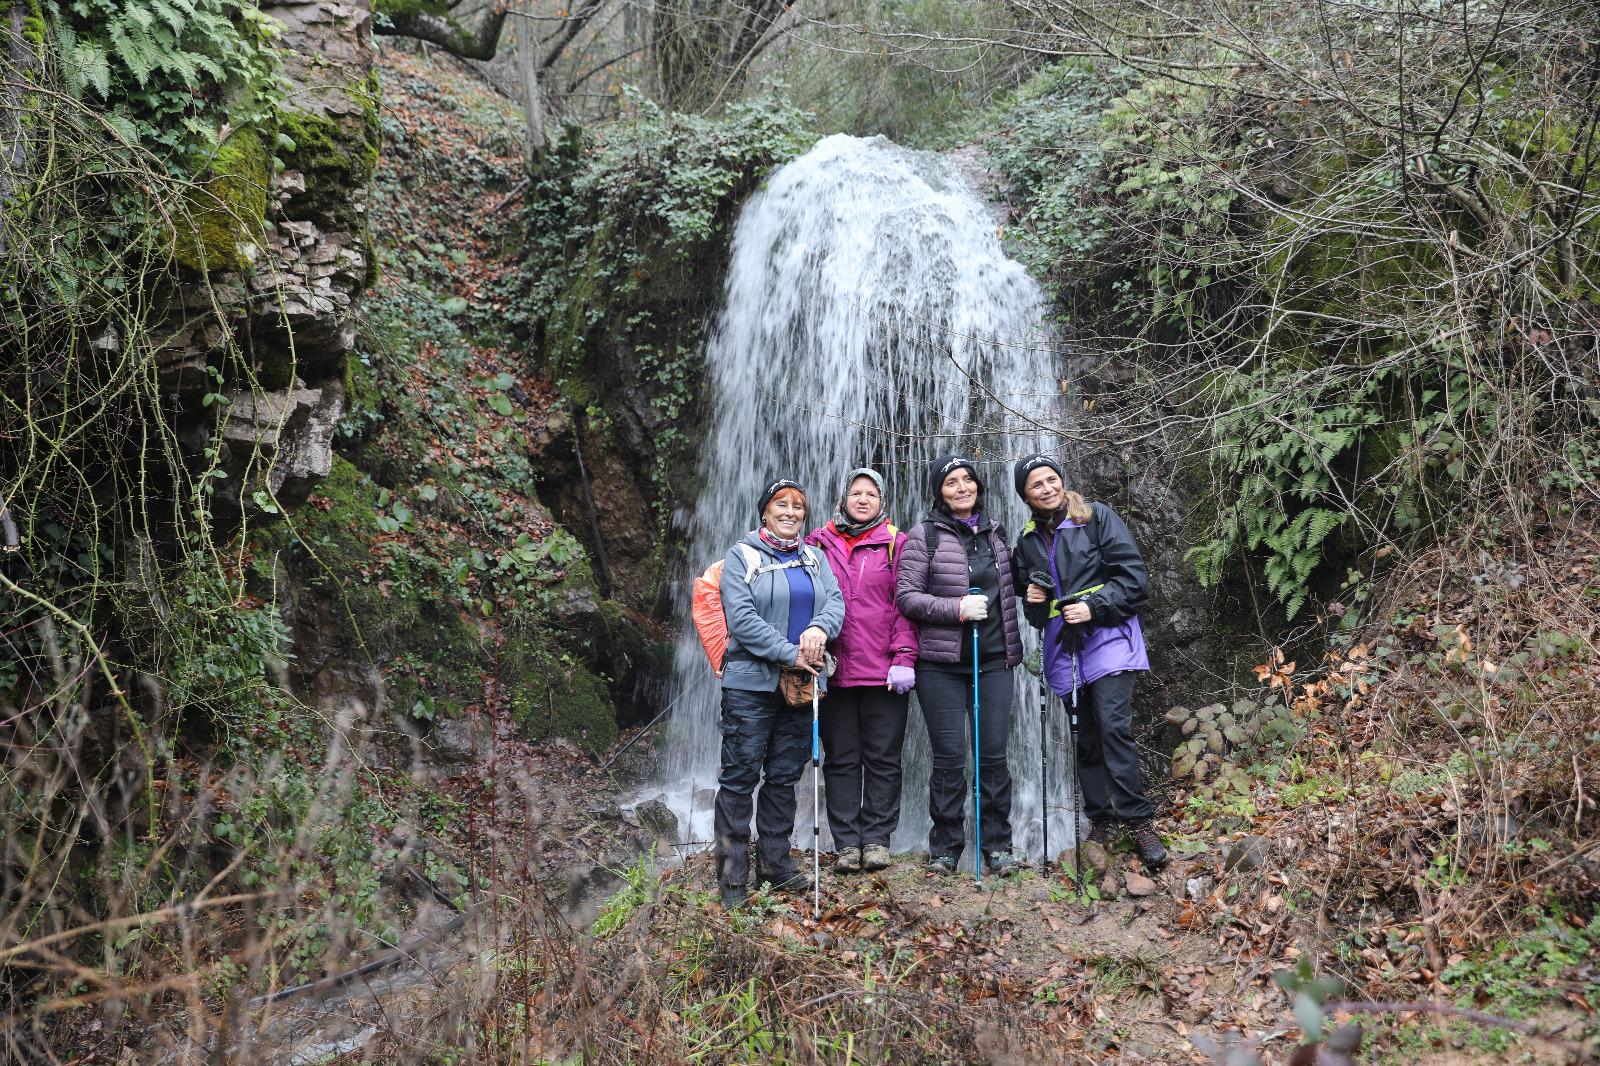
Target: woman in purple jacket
(1086, 586)
(864, 713)
(956, 549)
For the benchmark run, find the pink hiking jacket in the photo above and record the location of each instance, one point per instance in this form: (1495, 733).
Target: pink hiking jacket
(876, 635)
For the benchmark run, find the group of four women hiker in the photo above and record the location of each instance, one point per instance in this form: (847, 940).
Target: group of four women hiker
(934, 609)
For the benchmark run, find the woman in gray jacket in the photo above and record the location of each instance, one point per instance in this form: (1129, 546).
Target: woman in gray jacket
(782, 605)
(956, 549)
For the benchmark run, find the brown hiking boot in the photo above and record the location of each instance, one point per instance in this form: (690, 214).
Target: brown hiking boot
(876, 857)
(1147, 843)
(848, 861)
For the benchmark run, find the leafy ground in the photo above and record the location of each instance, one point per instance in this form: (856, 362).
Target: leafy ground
(1366, 868)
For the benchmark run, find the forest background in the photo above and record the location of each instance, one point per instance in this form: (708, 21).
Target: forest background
(321, 323)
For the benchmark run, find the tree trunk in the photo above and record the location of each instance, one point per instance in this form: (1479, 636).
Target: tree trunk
(532, 101)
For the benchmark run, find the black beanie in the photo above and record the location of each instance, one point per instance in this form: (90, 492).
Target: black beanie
(772, 490)
(1027, 465)
(942, 468)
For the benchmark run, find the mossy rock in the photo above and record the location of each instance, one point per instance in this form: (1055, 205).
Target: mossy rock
(336, 157)
(363, 401)
(226, 212)
(426, 645)
(553, 696)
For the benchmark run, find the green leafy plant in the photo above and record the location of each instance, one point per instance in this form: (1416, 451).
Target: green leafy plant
(173, 75)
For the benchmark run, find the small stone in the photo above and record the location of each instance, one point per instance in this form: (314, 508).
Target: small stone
(1095, 857)
(1197, 888)
(656, 817)
(1108, 886)
(1039, 893)
(1247, 853)
(1139, 885)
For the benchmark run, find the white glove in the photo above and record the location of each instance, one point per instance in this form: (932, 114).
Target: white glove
(974, 608)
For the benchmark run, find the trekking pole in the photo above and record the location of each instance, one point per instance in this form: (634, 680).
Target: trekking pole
(1044, 766)
(816, 803)
(977, 762)
(1077, 792)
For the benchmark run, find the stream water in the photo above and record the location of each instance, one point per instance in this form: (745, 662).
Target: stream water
(871, 317)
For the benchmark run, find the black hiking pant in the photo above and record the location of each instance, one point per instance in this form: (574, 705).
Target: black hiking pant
(945, 697)
(863, 730)
(764, 742)
(1108, 761)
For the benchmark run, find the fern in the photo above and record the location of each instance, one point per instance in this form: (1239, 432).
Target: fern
(172, 71)
(91, 69)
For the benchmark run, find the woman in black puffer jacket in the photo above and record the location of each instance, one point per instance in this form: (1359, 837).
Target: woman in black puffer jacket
(957, 548)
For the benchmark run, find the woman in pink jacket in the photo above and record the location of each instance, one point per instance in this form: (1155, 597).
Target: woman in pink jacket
(864, 712)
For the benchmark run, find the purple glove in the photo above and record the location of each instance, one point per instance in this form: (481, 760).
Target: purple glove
(901, 678)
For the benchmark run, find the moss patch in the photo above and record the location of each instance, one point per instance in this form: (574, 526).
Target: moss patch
(553, 696)
(380, 595)
(226, 212)
(335, 157)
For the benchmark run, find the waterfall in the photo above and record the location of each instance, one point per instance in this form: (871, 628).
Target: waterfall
(871, 319)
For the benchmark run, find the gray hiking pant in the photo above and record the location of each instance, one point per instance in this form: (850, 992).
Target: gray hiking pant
(764, 742)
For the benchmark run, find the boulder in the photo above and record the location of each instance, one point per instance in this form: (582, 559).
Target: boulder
(657, 818)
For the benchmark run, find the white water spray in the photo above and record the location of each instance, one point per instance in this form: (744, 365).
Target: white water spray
(871, 319)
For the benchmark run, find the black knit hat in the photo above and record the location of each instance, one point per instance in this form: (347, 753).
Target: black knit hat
(942, 468)
(1027, 465)
(772, 490)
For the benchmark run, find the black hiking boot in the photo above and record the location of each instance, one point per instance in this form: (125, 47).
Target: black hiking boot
(733, 896)
(1100, 832)
(784, 880)
(942, 864)
(1147, 844)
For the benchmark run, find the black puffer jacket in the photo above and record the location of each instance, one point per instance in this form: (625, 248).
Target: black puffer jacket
(931, 585)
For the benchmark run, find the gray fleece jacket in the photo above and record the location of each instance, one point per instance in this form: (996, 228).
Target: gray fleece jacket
(758, 614)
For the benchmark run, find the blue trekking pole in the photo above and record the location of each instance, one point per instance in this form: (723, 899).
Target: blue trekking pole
(977, 761)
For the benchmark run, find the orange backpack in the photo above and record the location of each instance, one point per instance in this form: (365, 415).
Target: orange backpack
(705, 602)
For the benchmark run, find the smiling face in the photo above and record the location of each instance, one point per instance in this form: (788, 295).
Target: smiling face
(960, 492)
(1043, 490)
(785, 516)
(862, 500)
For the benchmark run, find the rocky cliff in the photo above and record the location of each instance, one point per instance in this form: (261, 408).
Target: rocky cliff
(288, 252)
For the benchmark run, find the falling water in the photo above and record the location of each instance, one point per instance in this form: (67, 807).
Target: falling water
(871, 318)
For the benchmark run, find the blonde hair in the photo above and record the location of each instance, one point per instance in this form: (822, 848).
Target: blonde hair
(1078, 508)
